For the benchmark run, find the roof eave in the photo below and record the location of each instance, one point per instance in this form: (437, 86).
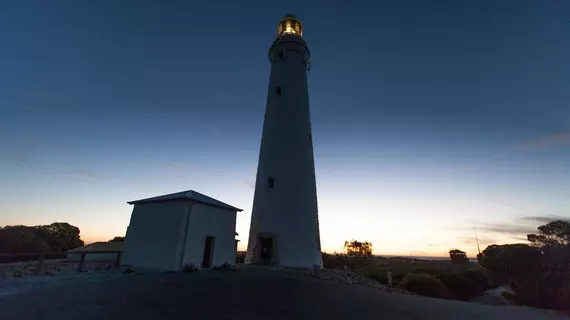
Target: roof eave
(185, 199)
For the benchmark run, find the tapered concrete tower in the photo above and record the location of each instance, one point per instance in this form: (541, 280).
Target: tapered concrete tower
(284, 227)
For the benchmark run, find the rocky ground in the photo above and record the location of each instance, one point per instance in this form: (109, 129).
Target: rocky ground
(248, 293)
(334, 276)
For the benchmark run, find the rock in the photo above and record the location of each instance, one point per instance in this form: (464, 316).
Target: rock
(495, 296)
(491, 299)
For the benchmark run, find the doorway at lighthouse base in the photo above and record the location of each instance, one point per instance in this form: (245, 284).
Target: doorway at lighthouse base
(266, 250)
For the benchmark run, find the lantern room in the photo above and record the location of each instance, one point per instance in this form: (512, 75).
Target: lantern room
(290, 25)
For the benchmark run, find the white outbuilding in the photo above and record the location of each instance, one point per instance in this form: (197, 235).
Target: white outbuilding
(170, 231)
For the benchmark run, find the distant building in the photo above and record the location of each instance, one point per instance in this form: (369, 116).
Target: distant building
(169, 231)
(95, 248)
(458, 257)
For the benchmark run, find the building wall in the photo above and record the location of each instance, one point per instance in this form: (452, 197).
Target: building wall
(154, 236)
(210, 221)
(288, 211)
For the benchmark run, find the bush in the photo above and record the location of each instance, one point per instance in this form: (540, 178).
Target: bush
(465, 285)
(425, 285)
(479, 277)
(190, 268)
(461, 286)
(543, 297)
(339, 261)
(376, 276)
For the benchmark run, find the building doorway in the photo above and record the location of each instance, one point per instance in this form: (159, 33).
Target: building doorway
(208, 252)
(266, 248)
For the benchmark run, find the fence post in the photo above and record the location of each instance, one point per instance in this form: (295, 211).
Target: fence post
(40, 265)
(81, 262)
(118, 262)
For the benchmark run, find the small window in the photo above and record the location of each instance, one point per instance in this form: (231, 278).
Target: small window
(270, 182)
(278, 91)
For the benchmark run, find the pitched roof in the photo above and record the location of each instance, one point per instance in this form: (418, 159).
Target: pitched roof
(187, 195)
(99, 246)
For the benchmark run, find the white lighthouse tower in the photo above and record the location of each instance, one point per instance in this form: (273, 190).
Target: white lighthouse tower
(284, 227)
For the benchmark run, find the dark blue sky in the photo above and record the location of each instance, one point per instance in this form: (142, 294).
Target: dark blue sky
(422, 111)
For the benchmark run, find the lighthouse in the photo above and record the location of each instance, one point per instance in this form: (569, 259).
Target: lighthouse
(284, 228)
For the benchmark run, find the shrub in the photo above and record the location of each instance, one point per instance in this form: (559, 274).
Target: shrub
(425, 285)
(462, 287)
(190, 268)
(479, 277)
(543, 297)
(376, 276)
(465, 285)
(339, 261)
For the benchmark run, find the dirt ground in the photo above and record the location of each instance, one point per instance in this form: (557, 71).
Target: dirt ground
(237, 295)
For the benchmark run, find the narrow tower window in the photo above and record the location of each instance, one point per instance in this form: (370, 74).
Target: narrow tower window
(278, 91)
(270, 182)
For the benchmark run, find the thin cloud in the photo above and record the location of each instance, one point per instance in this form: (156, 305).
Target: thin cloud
(507, 229)
(545, 219)
(517, 230)
(483, 241)
(539, 143)
(499, 233)
(545, 141)
(502, 228)
(85, 174)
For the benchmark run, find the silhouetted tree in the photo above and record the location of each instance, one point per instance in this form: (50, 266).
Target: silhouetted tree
(510, 262)
(358, 249)
(552, 234)
(21, 239)
(538, 272)
(117, 239)
(60, 236)
(56, 237)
